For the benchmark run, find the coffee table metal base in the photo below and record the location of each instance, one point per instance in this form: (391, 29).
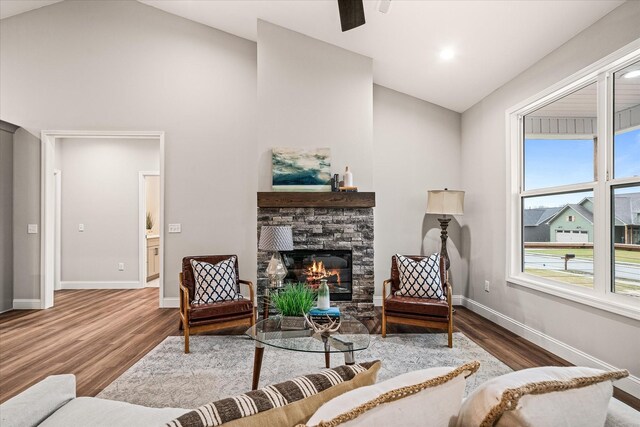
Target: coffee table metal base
(329, 341)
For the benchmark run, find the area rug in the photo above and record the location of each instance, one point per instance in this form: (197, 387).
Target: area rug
(221, 366)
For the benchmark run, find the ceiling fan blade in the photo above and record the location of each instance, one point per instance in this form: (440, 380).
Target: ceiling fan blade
(351, 14)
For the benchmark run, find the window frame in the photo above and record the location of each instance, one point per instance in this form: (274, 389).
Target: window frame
(601, 295)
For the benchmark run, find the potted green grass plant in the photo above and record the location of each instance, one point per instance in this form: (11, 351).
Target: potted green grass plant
(292, 303)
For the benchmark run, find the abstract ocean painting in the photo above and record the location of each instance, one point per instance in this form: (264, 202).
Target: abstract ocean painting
(301, 169)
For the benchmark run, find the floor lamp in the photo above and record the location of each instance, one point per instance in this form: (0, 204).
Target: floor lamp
(445, 202)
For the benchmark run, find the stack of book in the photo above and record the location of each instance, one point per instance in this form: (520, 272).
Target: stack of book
(324, 316)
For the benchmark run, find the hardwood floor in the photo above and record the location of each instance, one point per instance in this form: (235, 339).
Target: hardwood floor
(99, 334)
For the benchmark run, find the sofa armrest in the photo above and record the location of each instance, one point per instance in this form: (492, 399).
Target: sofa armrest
(35, 404)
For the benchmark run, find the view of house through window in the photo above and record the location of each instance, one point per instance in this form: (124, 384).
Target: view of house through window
(625, 191)
(558, 237)
(561, 188)
(558, 227)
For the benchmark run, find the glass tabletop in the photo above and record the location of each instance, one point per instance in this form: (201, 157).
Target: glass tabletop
(351, 336)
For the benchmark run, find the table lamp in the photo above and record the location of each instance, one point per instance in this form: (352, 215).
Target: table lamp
(445, 202)
(276, 239)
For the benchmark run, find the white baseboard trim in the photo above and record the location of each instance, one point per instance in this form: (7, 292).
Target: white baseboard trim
(171, 302)
(631, 384)
(377, 301)
(27, 304)
(101, 285)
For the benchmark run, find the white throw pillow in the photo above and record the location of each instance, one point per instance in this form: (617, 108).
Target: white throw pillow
(215, 282)
(437, 404)
(420, 279)
(548, 396)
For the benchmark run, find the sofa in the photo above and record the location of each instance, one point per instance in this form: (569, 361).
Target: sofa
(53, 402)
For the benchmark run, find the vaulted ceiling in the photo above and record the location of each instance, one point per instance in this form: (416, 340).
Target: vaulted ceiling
(493, 41)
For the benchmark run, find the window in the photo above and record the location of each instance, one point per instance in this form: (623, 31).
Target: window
(574, 209)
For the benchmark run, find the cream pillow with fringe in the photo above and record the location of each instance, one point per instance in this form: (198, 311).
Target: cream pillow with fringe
(428, 397)
(548, 396)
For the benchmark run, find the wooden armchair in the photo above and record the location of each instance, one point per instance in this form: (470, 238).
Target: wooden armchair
(196, 318)
(426, 312)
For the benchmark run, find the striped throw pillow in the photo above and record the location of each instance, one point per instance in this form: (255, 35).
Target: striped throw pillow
(282, 395)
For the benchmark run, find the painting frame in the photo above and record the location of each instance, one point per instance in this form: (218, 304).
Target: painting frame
(301, 169)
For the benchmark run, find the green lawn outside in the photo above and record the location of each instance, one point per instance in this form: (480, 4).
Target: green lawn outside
(581, 279)
(622, 255)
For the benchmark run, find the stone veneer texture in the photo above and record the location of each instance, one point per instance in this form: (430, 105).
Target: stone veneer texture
(328, 228)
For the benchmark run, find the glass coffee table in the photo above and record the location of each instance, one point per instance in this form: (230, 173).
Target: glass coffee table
(351, 337)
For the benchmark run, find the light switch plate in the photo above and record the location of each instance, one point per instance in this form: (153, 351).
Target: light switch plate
(175, 228)
(80, 227)
(32, 228)
(121, 266)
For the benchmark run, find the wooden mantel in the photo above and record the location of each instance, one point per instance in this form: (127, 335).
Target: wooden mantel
(316, 200)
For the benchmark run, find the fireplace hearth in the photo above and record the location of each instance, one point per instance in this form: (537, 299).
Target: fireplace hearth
(312, 265)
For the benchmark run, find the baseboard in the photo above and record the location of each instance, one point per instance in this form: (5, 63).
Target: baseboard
(100, 285)
(631, 384)
(455, 300)
(27, 304)
(171, 302)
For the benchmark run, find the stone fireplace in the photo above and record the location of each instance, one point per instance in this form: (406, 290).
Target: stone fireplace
(326, 233)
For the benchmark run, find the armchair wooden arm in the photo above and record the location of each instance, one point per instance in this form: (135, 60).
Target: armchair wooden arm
(385, 285)
(184, 303)
(251, 297)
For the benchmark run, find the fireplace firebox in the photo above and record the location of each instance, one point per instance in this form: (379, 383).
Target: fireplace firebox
(312, 265)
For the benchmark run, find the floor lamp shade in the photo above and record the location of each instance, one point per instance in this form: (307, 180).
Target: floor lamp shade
(445, 202)
(275, 238)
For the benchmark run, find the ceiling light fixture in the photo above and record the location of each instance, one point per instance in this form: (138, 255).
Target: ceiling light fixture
(384, 5)
(632, 74)
(447, 54)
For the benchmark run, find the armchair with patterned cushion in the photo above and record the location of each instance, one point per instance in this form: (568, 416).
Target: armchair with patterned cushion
(213, 309)
(429, 312)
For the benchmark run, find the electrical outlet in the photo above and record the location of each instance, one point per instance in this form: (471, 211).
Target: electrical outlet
(121, 266)
(175, 228)
(32, 229)
(80, 227)
(486, 286)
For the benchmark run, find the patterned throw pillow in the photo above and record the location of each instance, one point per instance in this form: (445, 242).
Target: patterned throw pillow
(297, 399)
(215, 282)
(420, 279)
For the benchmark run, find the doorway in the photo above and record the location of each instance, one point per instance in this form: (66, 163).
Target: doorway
(149, 191)
(50, 231)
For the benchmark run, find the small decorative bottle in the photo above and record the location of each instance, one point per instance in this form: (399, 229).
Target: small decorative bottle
(348, 178)
(323, 295)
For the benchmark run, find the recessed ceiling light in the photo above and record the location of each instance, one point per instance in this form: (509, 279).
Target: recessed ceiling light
(384, 5)
(632, 74)
(447, 54)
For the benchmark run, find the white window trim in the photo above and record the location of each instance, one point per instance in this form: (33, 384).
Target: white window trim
(600, 296)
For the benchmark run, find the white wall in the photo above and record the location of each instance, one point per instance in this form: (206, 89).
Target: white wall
(100, 189)
(126, 66)
(313, 94)
(26, 210)
(608, 337)
(416, 148)
(6, 219)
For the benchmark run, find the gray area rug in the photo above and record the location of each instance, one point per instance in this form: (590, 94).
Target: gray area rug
(221, 366)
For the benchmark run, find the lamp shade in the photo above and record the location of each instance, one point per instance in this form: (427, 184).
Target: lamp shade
(275, 238)
(445, 202)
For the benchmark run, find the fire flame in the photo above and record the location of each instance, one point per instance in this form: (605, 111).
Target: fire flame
(317, 271)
